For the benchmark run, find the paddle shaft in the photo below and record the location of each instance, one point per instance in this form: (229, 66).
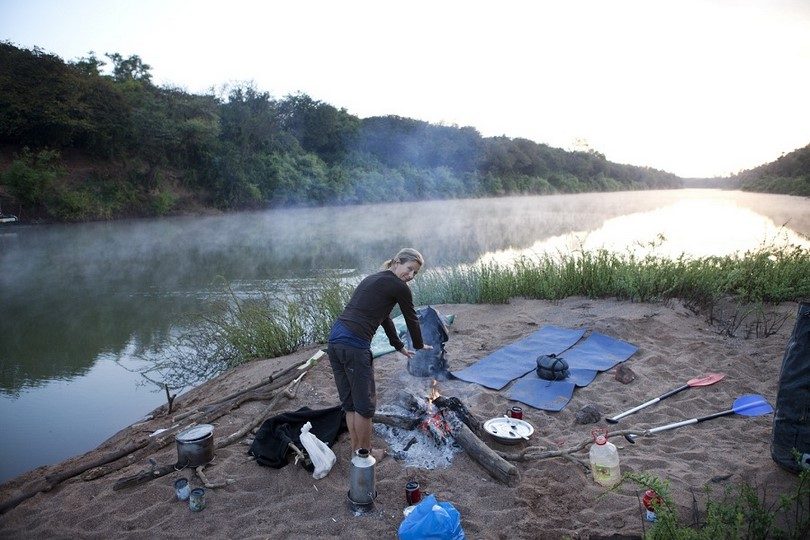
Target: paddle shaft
(700, 419)
(647, 404)
(691, 421)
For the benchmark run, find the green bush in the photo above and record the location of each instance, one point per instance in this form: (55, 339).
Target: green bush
(31, 176)
(162, 202)
(740, 512)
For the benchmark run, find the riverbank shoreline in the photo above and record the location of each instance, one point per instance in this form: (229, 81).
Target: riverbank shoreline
(554, 497)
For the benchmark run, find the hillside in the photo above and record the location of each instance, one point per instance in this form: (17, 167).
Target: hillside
(790, 174)
(81, 143)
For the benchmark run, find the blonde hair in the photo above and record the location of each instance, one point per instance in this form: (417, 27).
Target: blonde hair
(405, 255)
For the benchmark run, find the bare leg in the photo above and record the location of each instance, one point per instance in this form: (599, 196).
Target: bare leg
(352, 430)
(362, 427)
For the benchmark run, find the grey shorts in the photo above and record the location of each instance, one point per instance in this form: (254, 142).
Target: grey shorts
(354, 378)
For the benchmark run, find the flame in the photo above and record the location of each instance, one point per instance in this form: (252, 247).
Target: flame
(437, 426)
(434, 392)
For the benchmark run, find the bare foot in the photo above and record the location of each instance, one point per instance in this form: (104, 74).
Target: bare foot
(378, 453)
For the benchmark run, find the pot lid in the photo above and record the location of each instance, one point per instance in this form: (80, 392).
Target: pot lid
(508, 430)
(195, 433)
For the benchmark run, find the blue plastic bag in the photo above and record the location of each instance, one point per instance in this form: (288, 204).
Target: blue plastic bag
(432, 520)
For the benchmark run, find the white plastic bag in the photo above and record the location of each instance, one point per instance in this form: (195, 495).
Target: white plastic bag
(322, 457)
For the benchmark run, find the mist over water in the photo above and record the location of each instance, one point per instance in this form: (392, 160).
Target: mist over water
(74, 299)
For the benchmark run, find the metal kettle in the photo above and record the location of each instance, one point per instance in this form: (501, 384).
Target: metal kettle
(362, 491)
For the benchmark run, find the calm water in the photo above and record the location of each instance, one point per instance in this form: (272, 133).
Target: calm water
(79, 303)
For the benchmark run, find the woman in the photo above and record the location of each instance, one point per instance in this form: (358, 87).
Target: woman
(350, 340)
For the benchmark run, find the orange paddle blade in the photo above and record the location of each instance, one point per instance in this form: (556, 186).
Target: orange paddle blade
(706, 380)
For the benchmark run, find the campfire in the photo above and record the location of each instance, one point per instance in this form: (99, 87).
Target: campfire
(434, 422)
(445, 426)
(434, 391)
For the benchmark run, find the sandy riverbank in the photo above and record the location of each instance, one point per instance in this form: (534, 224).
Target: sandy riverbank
(555, 497)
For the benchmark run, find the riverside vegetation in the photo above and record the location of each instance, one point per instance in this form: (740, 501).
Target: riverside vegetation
(115, 145)
(277, 323)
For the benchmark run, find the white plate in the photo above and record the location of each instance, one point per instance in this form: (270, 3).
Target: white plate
(508, 430)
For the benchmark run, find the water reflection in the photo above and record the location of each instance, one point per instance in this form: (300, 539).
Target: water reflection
(693, 228)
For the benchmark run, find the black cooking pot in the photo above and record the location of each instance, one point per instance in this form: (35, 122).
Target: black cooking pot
(195, 446)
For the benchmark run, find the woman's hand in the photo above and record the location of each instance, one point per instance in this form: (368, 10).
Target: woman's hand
(410, 354)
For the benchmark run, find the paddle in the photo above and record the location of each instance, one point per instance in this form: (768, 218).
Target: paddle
(706, 380)
(746, 405)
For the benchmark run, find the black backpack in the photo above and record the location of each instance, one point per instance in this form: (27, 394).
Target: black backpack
(791, 430)
(551, 368)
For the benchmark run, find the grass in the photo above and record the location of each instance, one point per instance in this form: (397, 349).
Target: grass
(272, 324)
(766, 275)
(740, 512)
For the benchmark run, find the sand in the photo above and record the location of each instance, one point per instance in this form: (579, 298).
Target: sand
(555, 498)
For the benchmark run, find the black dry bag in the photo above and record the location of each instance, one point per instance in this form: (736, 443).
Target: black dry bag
(551, 368)
(430, 362)
(791, 429)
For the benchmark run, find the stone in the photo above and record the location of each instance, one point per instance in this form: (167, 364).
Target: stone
(589, 414)
(624, 374)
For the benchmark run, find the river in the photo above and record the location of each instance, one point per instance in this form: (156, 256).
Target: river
(79, 304)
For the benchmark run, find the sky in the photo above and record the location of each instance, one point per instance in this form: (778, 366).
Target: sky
(699, 88)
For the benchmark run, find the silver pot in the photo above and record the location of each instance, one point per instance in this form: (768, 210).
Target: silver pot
(195, 446)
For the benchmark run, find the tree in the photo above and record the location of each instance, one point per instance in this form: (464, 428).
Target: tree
(129, 69)
(319, 127)
(89, 65)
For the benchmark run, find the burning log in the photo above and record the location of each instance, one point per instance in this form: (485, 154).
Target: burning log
(402, 422)
(446, 417)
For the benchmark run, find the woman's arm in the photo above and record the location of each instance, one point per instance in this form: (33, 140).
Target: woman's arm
(405, 301)
(391, 331)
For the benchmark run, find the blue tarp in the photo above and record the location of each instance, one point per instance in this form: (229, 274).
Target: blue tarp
(596, 353)
(512, 361)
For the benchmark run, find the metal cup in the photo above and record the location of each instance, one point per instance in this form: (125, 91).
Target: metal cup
(181, 489)
(412, 493)
(516, 412)
(196, 499)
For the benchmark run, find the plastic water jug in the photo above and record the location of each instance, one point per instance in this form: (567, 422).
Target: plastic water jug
(361, 476)
(604, 459)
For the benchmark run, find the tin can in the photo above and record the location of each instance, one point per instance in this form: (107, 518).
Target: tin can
(181, 489)
(412, 493)
(516, 412)
(196, 499)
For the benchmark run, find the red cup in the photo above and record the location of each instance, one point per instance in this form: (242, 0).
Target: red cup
(412, 493)
(516, 412)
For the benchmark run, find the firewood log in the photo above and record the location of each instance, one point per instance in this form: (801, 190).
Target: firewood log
(495, 465)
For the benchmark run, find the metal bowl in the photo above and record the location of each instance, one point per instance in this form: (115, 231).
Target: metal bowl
(508, 430)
